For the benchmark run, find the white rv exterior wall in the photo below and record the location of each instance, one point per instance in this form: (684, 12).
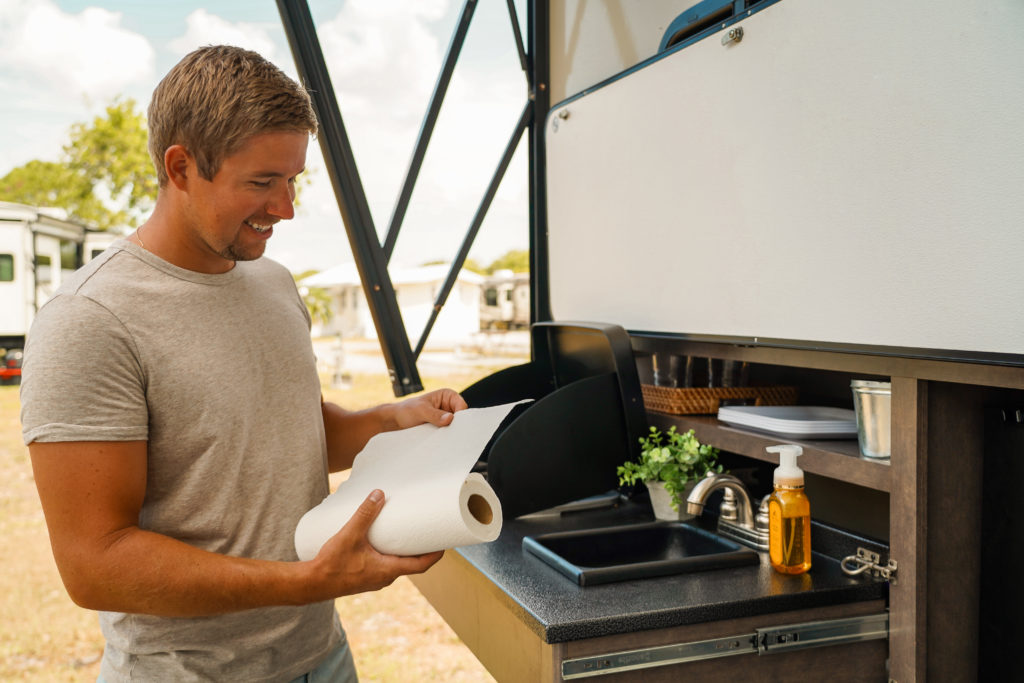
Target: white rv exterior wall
(849, 173)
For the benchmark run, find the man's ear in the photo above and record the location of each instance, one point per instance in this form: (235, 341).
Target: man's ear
(179, 165)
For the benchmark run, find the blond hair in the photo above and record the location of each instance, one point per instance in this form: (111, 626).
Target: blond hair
(216, 98)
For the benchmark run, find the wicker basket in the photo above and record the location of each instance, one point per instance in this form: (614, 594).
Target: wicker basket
(705, 401)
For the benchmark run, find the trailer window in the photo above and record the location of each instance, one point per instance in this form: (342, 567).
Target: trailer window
(70, 256)
(43, 272)
(6, 267)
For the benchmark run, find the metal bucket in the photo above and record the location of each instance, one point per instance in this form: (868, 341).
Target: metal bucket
(872, 402)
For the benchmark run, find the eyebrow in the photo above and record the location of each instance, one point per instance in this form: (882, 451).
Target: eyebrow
(275, 174)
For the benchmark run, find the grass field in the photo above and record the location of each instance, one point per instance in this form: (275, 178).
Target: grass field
(394, 633)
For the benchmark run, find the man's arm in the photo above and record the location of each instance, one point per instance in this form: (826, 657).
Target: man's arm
(349, 431)
(92, 493)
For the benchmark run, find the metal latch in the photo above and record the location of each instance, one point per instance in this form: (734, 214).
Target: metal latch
(867, 560)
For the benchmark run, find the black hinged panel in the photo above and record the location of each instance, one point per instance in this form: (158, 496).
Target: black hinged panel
(586, 418)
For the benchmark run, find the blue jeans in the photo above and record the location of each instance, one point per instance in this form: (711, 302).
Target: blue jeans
(337, 667)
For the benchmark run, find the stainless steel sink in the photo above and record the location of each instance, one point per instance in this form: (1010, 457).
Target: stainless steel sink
(636, 551)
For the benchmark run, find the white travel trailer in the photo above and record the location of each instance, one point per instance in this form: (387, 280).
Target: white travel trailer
(39, 247)
(505, 301)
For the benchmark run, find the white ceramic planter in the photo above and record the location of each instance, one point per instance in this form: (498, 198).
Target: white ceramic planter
(661, 501)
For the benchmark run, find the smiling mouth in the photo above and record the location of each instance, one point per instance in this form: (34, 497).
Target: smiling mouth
(259, 228)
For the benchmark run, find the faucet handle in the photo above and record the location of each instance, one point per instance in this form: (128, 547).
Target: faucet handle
(728, 510)
(761, 518)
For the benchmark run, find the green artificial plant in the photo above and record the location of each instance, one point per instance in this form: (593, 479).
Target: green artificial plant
(673, 458)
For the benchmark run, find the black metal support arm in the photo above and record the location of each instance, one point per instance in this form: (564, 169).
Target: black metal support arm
(538, 19)
(348, 189)
(518, 35)
(427, 127)
(474, 228)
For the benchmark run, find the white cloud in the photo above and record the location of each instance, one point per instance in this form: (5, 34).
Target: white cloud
(203, 28)
(88, 53)
(383, 54)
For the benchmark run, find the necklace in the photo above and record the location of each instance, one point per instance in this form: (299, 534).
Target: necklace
(138, 236)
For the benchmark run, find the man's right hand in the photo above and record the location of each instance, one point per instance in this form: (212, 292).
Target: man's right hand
(348, 564)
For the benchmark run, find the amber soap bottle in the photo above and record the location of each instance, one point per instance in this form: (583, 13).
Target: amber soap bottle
(789, 515)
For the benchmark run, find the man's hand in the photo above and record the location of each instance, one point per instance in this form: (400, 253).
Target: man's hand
(437, 408)
(349, 431)
(348, 564)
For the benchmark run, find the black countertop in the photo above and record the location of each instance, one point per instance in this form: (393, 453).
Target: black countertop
(558, 610)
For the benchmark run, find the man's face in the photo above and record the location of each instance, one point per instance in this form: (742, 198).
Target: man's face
(231, 217)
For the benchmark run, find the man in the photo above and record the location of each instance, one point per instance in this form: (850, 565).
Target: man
(173, 411)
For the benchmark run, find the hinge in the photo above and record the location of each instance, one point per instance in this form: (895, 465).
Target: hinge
(868, 560)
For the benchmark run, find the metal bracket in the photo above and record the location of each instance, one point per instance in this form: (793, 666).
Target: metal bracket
(653, 657)
(762, 641)
(821, 633)
(867, 560)
(733, 35)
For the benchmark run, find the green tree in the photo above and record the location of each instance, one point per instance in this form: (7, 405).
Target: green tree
(516, 260)
(49, 183)
(105, 158)
(113, 151)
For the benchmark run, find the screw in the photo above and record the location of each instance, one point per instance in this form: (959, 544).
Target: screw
(733, 36)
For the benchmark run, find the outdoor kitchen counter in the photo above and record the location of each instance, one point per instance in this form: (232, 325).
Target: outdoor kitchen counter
(557, 610)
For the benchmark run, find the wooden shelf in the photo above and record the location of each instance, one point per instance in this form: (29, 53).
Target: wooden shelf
(838, 459)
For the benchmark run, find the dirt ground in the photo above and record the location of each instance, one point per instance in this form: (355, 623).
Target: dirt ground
(394, 633)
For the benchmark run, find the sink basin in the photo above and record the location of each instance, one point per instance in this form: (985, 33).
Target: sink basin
(636, 551)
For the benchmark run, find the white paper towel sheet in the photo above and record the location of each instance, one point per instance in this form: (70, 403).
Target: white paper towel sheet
(433, 503)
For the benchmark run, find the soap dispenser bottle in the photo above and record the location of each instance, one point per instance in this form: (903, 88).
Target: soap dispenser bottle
(789, 515)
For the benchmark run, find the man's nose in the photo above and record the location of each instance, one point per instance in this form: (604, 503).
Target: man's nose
(282, 204)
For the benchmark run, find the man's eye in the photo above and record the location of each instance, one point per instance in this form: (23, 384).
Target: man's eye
(261, 183)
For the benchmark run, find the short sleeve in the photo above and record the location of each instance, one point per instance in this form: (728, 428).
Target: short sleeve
(82, 379)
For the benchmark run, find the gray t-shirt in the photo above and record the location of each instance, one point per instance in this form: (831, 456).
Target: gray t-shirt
(217, 372)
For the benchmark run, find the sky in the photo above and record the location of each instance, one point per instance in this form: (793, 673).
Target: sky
(64, 61)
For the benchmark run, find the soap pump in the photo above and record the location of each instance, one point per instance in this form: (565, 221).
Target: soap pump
(789, 515)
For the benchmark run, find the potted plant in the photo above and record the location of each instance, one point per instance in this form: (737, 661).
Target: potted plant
(670, 464)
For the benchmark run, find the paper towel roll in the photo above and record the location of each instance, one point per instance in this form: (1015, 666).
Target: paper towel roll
(433, 502)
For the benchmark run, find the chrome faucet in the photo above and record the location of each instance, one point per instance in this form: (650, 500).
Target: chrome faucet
(736, 520)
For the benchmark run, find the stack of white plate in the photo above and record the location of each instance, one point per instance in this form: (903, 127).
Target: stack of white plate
(808, 422)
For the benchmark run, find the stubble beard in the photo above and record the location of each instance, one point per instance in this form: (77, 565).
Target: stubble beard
(234, 253)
